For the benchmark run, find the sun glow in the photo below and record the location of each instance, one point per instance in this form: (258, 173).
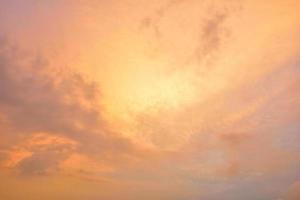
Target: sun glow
(157, 90)
(144, 91)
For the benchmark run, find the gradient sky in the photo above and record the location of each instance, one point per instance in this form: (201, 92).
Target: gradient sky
(149, 99)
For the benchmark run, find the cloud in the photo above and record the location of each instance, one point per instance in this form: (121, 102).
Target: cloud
(120, 123)
(42, 154)
(36, 98)
(212, 36)
(40, 163)
(208, 24)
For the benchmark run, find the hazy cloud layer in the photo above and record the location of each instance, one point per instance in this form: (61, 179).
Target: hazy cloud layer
(175, 99)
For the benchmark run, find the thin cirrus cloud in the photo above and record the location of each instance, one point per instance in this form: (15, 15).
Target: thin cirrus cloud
(154, 100)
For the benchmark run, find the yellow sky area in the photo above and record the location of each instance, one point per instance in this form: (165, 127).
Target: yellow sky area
(138, 77)
(149, 62)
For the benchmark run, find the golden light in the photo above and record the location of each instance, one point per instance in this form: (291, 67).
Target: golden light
(145, 88)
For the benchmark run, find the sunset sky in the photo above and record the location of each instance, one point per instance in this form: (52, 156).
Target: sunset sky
(149, 100)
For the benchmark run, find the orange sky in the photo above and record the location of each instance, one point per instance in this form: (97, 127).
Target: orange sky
(139, 99)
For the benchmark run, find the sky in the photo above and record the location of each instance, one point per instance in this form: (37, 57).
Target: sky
(153, 100)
